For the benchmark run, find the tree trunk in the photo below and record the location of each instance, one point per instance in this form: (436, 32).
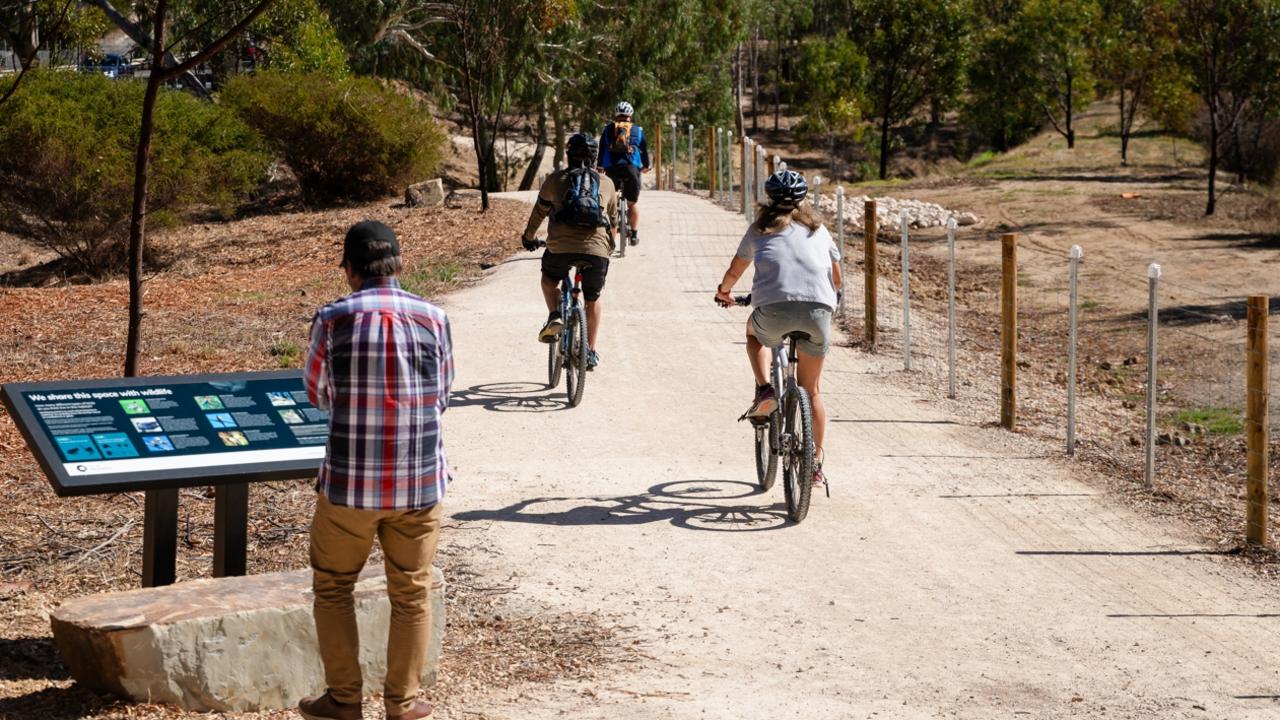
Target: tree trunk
(777, 75)
(1238, 149)
(138, 220)
(737, 92)
(755, 81)
(1213, 161)
(1124, 131)
(540, 149)
(558, 115)
(1071, 133)
(884, 147)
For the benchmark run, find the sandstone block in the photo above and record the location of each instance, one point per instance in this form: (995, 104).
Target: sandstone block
(425, 194)
(224, 644)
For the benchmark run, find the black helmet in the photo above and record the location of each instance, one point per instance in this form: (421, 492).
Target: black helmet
(582, 147)
(786, 188)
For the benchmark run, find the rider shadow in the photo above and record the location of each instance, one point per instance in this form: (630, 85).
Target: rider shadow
(690, 504)
(529, 397)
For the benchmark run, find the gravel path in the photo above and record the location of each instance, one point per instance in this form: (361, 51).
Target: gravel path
(957, 571)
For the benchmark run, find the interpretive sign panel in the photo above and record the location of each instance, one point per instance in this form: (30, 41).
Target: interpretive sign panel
(145, 433)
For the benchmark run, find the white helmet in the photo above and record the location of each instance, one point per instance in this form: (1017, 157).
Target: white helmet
(623, 108)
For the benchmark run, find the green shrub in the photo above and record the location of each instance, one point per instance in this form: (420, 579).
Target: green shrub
(67, 148)
(344, 139)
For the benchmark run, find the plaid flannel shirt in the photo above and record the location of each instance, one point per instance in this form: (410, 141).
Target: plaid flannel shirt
(381, 363)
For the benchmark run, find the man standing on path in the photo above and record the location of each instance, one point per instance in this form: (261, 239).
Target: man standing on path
(381, 363)
(624, 154)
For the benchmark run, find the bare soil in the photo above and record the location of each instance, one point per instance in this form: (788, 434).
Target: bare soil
(235, 296)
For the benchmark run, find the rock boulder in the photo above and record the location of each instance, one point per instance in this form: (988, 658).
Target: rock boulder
(223, 644)
(427, 194)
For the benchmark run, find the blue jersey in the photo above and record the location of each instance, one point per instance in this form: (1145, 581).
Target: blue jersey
(639, 148)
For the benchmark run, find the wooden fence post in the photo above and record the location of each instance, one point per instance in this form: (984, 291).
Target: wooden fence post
(657, 158)
(1009, 331)
(869, 272)
(1256, 419)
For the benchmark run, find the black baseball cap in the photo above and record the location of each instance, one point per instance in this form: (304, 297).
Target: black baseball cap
(367, 241)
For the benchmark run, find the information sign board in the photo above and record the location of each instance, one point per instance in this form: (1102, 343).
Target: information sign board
(145, 433)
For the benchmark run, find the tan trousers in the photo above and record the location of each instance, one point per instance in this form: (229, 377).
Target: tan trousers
(341, 539)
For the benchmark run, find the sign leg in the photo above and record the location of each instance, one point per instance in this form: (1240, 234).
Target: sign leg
(230, 529)
(160, 538)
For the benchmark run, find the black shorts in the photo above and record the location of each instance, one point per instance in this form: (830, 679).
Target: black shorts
(594, 269)
(627, 178)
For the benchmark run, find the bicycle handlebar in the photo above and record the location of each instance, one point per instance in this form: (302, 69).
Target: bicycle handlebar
(739, 300)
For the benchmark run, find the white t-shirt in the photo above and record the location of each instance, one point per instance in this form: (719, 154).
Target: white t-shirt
(792, 265)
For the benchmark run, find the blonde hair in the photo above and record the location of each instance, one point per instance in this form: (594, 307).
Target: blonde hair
(775, 218)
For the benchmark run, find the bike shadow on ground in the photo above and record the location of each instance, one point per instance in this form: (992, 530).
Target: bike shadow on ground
(529, 397)
(689, 504)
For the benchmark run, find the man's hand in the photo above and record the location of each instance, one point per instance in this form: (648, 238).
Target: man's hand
(724, 299)
(645, 170)
(529, 245)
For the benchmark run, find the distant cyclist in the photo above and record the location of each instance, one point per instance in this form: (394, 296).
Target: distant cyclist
(581, 204)
(624, 154)
(796, 281)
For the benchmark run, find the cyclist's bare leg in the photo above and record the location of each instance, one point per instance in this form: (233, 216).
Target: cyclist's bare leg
(759, 356)
(551, 293)
(809, 376)
(633, 215)
(593, 322)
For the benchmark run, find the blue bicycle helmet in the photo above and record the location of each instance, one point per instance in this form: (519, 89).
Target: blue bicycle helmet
(786, 188)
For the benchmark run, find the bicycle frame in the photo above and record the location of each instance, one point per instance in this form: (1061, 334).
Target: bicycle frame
(570, 292)
(782, 370)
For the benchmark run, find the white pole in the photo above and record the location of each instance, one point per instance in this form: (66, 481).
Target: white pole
(1076, 254)
(748, 176)
(761, 153)
(1153, 319)
(906, 292)
(951, 307)
(844, 270)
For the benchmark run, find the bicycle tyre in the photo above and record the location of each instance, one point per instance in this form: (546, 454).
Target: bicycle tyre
(555, 363)
(798, 464)
(578, 349)
(766, 455)
(624, 230)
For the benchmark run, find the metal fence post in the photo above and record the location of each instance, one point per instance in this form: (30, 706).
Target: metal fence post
(1258, 371)
(870, 274)
(675, 151)
(691, 175)
(906, 290)
(951, 307)
(1077, 253)
(728, 169)
(844, 269)
(1153, 320)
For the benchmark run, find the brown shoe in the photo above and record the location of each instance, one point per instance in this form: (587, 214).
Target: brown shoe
(420, 711)
(326, 708)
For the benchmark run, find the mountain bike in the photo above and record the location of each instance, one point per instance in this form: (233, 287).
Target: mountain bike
(568, 354)
(785, 436)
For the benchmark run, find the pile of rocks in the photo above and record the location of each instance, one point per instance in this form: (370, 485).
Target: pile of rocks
(889, 212)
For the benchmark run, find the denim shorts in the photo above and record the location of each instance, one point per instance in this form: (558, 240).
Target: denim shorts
(770, 324)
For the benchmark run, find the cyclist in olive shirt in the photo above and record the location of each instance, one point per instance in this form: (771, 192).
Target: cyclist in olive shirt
(569, 244)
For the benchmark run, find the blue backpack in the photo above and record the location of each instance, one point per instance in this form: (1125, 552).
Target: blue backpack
(581, 206)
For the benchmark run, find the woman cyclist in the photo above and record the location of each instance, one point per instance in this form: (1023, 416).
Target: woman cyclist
(796, 282)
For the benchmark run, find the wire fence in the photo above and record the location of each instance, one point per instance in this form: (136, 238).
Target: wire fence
(949, 335)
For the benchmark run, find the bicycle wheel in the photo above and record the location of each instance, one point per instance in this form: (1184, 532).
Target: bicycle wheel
(577, 360)
(555, 363)
(624, 230)
(797, 466)
(766, 457)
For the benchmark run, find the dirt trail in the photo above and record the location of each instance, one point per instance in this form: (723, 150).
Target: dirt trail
(957, 571)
